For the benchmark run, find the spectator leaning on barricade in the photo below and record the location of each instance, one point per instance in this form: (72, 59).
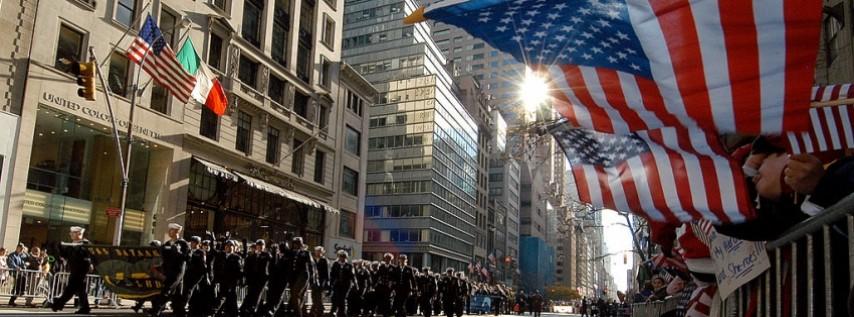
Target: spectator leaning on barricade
(17, 262)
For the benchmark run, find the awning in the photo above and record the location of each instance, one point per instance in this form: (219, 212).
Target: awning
(217, 170)
(270, 188)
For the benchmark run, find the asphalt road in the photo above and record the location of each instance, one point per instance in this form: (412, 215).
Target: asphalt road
(129, 312)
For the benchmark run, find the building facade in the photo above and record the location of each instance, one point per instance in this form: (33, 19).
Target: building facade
(476, 103)
(422, 143)
(265, 167)
(504, 174)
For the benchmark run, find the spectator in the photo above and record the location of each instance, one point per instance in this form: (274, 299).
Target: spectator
(17, 262)
(4, 267)
(659, 287)
(35, 263)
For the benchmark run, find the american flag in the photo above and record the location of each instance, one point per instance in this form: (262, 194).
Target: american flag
(830, 126)
(703, 230)
(629, 65)
(665, 175)
(161, 63)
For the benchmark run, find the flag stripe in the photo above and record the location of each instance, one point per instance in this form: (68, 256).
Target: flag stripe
(613, 93)
(800, 50)
(160, 61)
(712, 42)
(769, 17)
(830, 129)
(741, 41)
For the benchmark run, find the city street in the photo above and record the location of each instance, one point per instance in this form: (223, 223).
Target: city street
(129, 312)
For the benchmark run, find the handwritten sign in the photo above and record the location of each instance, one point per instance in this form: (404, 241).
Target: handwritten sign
(737, 261)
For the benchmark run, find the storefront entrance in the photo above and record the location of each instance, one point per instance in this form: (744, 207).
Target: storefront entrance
(74, 178)
(231, 205)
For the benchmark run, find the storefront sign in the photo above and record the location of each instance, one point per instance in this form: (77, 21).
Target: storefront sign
(737, 261)
(50, 206)
(97, 114)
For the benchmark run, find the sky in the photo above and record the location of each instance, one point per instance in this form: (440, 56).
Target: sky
(618, 240)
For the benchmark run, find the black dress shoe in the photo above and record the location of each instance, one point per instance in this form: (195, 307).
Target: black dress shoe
(82, 311)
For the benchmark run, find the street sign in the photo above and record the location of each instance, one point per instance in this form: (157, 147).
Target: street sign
(113, 212)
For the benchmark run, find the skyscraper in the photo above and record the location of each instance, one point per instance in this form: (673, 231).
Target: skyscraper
(422, 144)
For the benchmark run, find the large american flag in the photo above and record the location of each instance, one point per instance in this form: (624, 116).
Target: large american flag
(668, 175)
(628, 65)
(161, 63)
(830, 126)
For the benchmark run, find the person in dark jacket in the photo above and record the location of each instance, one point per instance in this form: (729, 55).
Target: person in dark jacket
(450, 290)
(301, 276)
(79, 264)
(357, 299)
(175, 253)
(17, 263)
(537, 302)
(383, 283)
(428, 287)
(197, 271)
(277, 282)
(229, 278)
(342, 278)
(404, 284)
(256, 268)
(321, 281)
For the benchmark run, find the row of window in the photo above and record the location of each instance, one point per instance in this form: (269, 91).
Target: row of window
(396, 211)
(402, 118)
(401, 235)
(403, 187)
(396, 141)
(405, 164)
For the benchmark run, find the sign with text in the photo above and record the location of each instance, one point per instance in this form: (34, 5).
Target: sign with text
(737, 261)
(132, 272)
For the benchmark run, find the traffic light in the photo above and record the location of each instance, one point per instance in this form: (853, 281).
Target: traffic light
(85, 73)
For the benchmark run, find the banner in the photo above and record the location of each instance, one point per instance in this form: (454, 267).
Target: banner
(737, 261)
(132, 272)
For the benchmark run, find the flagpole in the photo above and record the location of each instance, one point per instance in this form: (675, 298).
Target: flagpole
(120, 220)
(107, 95)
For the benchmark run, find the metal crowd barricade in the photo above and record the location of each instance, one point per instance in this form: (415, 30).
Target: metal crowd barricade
(812, 270)
(654, 309)
(41, 286)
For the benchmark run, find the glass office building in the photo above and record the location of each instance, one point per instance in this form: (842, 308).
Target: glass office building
(422, 144)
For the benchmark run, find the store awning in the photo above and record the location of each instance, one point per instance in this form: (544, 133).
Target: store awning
(270, 188)
(217, 170)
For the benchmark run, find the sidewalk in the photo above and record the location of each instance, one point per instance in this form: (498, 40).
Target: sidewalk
(19, 311)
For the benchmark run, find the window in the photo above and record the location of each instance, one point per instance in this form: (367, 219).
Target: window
(69, 48)
(319, 160)
(125, 12)
(297, 163)
(160, 99)
(373, 235)
(323, 118)
(354, 103)
(219, 4)
(328, 37)
(276, 90)
(352, 141)
(117, 77)
(167, 26)
(248, 72)
(273, 145)
(209, 124)
(350, 181)
(477, 46)
(252, 19)
(301, 104)
(281, 28)
(326, 73)
(347, 224)
(440, 32)
(306, 38)
(215, 54)
(244, 130)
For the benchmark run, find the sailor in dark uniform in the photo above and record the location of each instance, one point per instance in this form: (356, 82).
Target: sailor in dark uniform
(197, 271)
(404, 285)
(450, 290)
(301, 275)
(383, 286)
(79, 264)
(175, 253)
(228, 279)
(321, 284)
(256, 268)
(428, 288)
(342, 278)
(357, 300)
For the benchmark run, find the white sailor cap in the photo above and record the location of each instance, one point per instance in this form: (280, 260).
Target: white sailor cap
(77, 229)
(173, 225)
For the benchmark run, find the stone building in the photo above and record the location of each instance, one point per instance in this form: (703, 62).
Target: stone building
(269, 165)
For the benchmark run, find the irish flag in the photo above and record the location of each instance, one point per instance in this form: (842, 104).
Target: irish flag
(208, 89)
